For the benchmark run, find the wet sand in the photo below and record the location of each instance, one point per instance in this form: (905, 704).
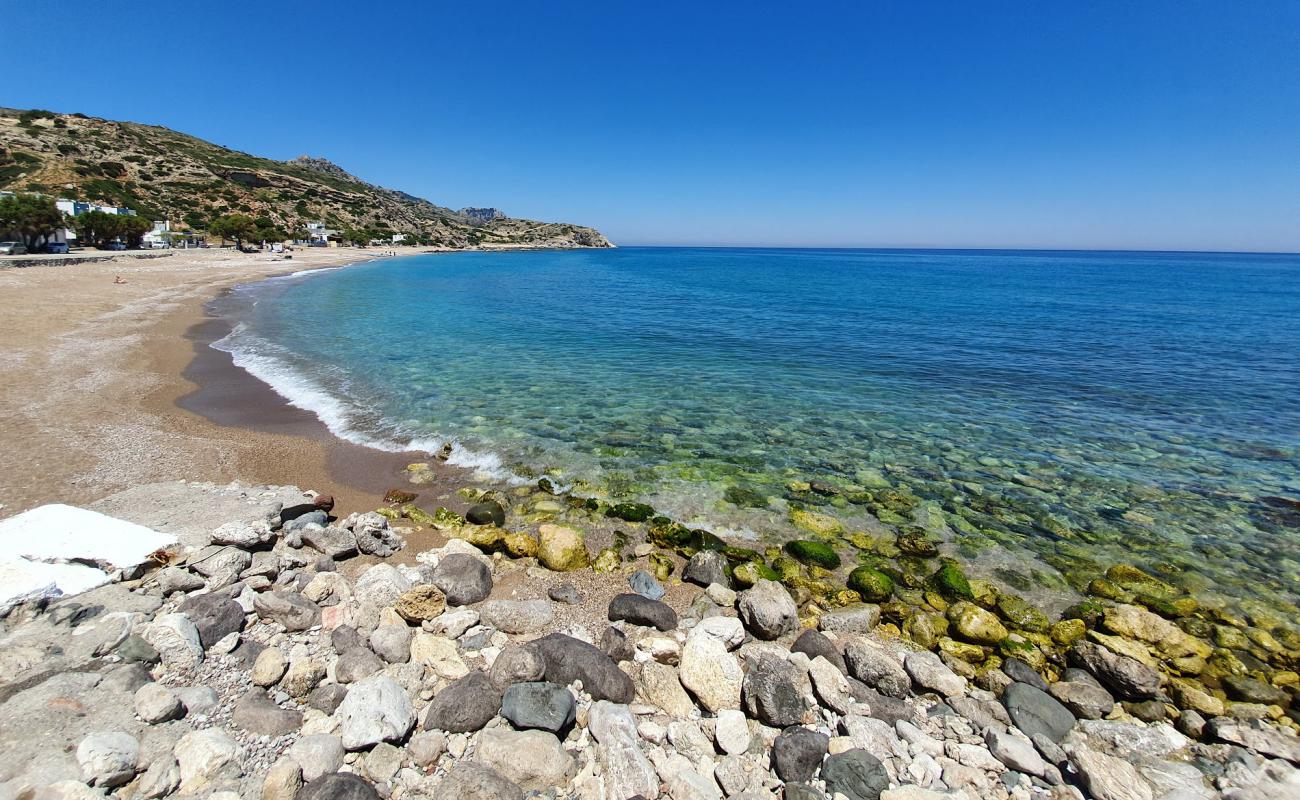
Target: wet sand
(113, 385)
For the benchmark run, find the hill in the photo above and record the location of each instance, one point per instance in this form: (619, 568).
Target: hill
(163, 174)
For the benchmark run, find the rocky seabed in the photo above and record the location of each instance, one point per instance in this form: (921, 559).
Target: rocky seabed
(314, 658)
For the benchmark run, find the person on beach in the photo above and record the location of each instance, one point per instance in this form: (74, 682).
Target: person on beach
(119, 279)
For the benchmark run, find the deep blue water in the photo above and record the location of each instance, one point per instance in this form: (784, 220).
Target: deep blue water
(1072, 407)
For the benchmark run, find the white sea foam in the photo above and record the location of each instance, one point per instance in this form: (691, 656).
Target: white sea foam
(264, 361)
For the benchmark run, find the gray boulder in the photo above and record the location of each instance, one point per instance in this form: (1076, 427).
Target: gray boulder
(469, 780)
(541, 705)
(374, 710)
(767, 610)
(463, 578)
(568, 660)
(338, 786)
(814, 643)
(640, 610)
(856, 774)
(1036, 712)
(108, 759)
(517, 663)
(290, 609)
(336, 543)
(706, 567)
(517, 616)
(255, 713)
(392, 643)
(214, 615)
(644, 584)
(1126, 677)
(877, 668)
(797, 753)
(465, 705)
(776, 692)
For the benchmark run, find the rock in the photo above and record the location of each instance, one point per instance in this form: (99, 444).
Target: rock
(802, 791)
(1016, 754)
(201, 756)
(374, 538)
(538, 705)
(660, 687)
(830, 685)
(255, 713)
(156, 703)
(1246, 689)
(626, 771)
(381, 585)
(568, 659)
(731, 732)
(797, 753)
(290, 609)
(1085, 700)
(426, 746)
(517, 616)
(383, 762)
(269, 667)
(813, 553)
(711, 673)
(871, 584)
(876, 667)
(464, 579)
(486, 513)
(214, 616)
(517, 663)
(221, 567)
(327, 698)
(1036, 713)
(319, 754)
(532, 759)
(727, 630)
(439, 653)
(467, 780)
(775, 692)
(392, 643)
(283, 780)
(767, 610)
(338, 786)
(640, 610)
(356, 664)
(929, 673)
(813, 643)
(134, 649)
(243, 534)
(561, 549)
(108, 759)
(465, 705)
(1191, 696)
(854, 618)
(176, 640)
(644, 584)
(177, 579)
(1106, 777)
(375, 710)
(565, 593)
(1262, 740)
(1018, 670)
(337, 543)
(974, 624)
(1126, 677)
(198, 699)
(706, 567)
(856, 774)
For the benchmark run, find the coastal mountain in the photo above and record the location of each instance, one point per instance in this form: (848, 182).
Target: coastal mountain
(163, 174)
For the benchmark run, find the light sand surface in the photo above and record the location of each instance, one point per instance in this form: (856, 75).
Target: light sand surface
(92, 371)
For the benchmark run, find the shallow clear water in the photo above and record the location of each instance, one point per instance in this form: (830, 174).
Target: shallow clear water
(1079, 408)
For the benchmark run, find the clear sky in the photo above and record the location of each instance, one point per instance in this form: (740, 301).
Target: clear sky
(1165, 125)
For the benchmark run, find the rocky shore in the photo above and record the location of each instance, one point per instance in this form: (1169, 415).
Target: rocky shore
(528, 643)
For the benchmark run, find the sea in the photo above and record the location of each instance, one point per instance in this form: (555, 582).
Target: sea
(1042, 414)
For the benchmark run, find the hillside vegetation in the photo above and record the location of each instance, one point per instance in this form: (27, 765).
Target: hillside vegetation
(163, 174)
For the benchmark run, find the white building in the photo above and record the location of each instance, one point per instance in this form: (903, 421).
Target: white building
(160, 237)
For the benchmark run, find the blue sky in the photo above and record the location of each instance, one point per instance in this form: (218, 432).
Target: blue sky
(1162, 125)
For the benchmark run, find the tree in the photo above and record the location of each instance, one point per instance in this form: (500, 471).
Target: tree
(358, 236)
(133, 229)
(233, 226)
(29, 217)
(269, 233)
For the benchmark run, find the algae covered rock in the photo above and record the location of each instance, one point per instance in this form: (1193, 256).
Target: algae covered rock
(630, 512)
(607, 561)
(974, 624)
(751, 572)
(815, 522)
(809, 552)
(871, 584)
(519, 545)
(561, 548)
(1017, 611)
(745, 497)
(950, 581)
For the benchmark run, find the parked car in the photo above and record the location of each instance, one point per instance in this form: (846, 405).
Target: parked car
(12, 249)
(56, 247)
(115, 246)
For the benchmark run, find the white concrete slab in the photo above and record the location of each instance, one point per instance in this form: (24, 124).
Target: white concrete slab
(61, 534)
(22, 580)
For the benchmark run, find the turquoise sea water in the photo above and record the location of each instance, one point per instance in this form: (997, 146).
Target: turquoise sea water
(1032, 409)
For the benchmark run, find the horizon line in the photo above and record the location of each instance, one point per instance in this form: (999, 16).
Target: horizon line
(903, 248)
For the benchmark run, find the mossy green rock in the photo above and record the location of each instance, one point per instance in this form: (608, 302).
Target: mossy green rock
(950, 581)
(519, 545)
(914, 543)
(418, 515)
(974, 624)
(607, 561)
(487, 538)
(751, 572)
(815, 522)
(1135, 580)
(745, 497)
(1017, 611)
(807, 551)
(871, 584)
(561, 548)
(661, 565)
(925, 629)
(787, 568)
(446, 519)
(388, 513)
(1068, 631)
(630, 512)
(698, 540)
(668, 534)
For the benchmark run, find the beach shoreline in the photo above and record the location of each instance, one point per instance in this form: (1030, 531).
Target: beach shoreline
(137, 395)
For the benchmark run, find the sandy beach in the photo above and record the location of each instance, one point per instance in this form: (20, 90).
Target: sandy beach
(94, 372)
